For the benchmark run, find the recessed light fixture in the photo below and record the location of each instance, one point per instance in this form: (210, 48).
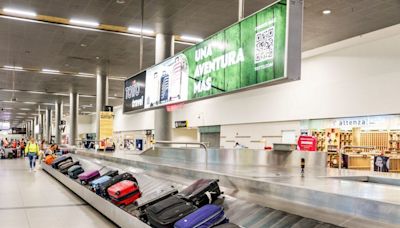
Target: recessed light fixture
(7, 67)
(120, 1)
(137, 30)
(326, 12)
(19, 12)
(84, 23)
(85, 75)
(191, 38)
(83, 45)
(97, 57)
(50, 71)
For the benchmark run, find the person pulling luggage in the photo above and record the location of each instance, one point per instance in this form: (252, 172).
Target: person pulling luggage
(32, 150)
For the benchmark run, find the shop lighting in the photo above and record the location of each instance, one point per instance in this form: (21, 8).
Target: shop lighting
(19, 12)
(50, 71)
(191, 38)
(137, 30)
(84, 23)
(326, 12)
(6, 67)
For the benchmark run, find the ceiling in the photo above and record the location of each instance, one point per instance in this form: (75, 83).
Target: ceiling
(35, 45)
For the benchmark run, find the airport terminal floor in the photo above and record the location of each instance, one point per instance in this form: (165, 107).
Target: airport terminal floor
(35, 199)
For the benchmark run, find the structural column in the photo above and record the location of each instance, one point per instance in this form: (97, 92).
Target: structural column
(162, 118)
(35, 123)
(27, 129)
(73, 114)
(58, 120)
(48, 125)
(101, 92)
(41, 126)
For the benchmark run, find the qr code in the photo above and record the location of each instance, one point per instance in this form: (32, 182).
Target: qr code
(264, 45)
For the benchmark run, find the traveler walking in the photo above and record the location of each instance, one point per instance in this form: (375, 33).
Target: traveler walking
(32, 151)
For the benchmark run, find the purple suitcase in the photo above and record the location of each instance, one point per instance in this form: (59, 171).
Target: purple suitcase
(205, 217)
(88, 176)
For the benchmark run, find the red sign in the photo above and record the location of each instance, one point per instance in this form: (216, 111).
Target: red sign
(307, 143)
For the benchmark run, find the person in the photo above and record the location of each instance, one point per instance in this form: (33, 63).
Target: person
(32, 150)
(41, 151)
(22, 147)
(5, 143)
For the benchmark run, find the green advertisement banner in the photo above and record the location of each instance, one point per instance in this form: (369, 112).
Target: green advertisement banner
(245, 54)
(248, 53)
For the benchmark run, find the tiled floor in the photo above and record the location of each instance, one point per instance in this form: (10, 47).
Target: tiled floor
(37, 200)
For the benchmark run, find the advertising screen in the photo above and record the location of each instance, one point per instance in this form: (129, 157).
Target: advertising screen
(245, 54)
(134, 92)
(257, 50)
(167, 82)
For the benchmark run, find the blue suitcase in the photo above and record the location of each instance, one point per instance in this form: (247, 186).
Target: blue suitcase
(94, 185)
(207, 216)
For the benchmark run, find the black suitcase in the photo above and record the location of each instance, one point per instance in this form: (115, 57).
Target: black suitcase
(104, 187)
(111, 173)
(58, 160)
(201, 192)
(227, 225)
(165, 213)
(152, 198)
(74, 171)
(64, 168)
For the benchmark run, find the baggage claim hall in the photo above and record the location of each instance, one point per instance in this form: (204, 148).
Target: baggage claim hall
(199, 113)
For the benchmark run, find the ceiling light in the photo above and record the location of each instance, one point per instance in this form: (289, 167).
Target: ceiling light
(25, 109)
(19, 12)
(85, 75)
(7, 67)
(47, 104)
(84, 23)
(120, 1)
(21, 113)
(83, 45)
(137, 30)
(50, 71)
(29, 102)
(326, 12)
(191, 38)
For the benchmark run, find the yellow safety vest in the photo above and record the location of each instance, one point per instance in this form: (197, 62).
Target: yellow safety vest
(32, 148)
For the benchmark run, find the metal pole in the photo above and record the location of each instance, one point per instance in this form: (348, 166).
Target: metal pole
(48, 125)
(101, 92)
(58, 120)
(141, 37)
(73, 114)
(241, 10)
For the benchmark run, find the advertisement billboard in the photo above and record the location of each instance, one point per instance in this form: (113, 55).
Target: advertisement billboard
(245, 54)
(167, 82)
(134, 92)
(253, 52)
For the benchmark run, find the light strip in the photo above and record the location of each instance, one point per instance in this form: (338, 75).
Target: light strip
(191, 38)
(137, 30)
(84, 23)
(19, 12)
(50, 71)
(85, 75)
(13, 67)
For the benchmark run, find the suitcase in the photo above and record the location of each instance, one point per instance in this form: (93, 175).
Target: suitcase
(74, 171)
(49, 159)
(64, 168)
(124, 192)
(64, 163)
(104, 186)
(165, 213)
(88, 176)
(207, 216)
(94, 185)
(202, 192)
(143, 203)
(111, 173)
(58, 160)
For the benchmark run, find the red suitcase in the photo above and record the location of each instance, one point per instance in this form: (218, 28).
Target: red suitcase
(124, 192)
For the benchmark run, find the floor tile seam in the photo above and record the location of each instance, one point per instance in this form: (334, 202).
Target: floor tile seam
(44, 206)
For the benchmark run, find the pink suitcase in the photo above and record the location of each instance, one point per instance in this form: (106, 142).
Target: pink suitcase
(88, 176)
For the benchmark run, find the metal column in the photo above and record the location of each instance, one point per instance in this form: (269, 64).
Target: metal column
(241, 10)
(162, 118)
(58, 120)
(41, 126)
(73, 114)
(35, 122)
(48, 125)
(101, 92)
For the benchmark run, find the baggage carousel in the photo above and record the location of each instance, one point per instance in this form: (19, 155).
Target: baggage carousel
(239, 211)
